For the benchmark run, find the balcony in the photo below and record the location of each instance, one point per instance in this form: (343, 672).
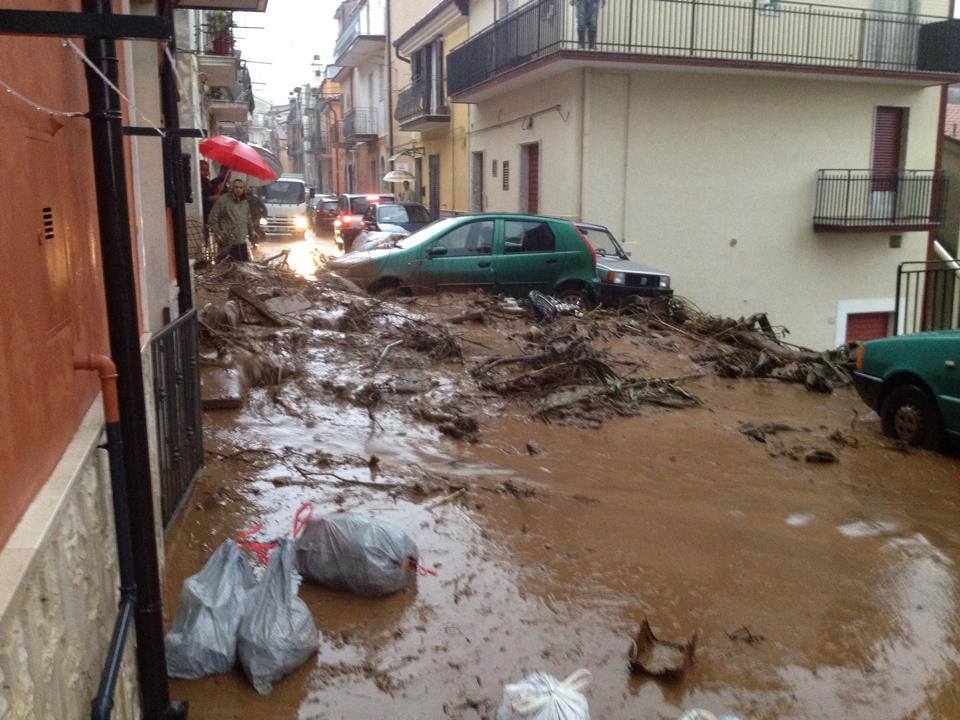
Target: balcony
(218, 60)
(362, 37)
(876, 201)
(420, 105)
(360, 125)
(746, 34)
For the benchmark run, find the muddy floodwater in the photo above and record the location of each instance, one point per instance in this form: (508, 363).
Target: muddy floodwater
(817, 590)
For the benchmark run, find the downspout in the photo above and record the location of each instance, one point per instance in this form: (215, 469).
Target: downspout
(169, 99)
(580, 154)
(116, 256)
(389, 86)
(102, 705)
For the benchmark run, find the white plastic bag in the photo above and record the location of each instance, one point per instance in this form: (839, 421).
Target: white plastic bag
(351, 552)
(277, 634)
(203, 637)
(542, 697)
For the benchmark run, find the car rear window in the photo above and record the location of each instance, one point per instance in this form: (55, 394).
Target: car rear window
(403, 214)
(359, 205)
(330, 204)
(528, 236)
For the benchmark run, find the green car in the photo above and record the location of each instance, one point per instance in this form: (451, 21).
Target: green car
(505, 254)
(914, 383)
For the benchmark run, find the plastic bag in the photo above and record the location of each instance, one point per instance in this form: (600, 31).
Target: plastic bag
(277, 634)
(699, 714)
(350, 552)
(542, 697)
(203, 637)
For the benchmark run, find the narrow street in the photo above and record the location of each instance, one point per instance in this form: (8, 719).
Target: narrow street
(816, 590)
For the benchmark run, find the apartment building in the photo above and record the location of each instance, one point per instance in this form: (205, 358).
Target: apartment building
(440, 145)
(773, 156)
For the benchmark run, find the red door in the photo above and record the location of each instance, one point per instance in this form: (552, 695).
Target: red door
(867, 326)
(887, 147)
(533, 179)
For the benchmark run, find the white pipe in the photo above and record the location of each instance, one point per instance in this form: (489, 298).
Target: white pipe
(942, 253)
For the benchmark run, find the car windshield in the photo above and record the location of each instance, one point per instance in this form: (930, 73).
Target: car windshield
(282, 192)
(330, 205)
(399, 214)
(602, 240)
(427, 233)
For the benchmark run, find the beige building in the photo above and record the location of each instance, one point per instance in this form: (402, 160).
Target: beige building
(773, 157)
(440, 146)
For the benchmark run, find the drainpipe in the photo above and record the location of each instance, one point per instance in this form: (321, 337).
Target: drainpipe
(169, 98)
(389, 87)
(102, 706)
(116, 255)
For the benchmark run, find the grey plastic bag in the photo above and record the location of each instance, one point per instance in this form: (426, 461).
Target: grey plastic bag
(277, 634)
(203, 637)
(350, 552)
(540, 696)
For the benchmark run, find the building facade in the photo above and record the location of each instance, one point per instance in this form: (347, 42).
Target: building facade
(781, 158)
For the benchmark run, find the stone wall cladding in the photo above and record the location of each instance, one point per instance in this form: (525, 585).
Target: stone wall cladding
(60, 596)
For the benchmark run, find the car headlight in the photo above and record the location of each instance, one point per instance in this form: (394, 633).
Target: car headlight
(263, 222)
(664, 281)
(617, 278)
(300, 222)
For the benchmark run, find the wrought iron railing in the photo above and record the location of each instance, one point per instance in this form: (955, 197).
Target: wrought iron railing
(733, 30)
(360, 122)
(176, 388)
(928, 297)
(420, 98)
(863, 199)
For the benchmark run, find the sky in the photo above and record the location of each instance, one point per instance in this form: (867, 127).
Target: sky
(293, 32)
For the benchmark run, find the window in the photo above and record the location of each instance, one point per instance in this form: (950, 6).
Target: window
(506, 174)
(475, 238)
(528, 236)
(403, 214)
(494, 168)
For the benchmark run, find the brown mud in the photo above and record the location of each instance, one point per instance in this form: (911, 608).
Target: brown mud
(553, 536)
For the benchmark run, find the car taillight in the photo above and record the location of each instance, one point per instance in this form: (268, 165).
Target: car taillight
(345, 220)
(861, 351)
(593, 252)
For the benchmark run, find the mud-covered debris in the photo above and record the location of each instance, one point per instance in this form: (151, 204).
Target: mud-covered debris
(533, 447)
(431, 339)
(450, 421)
(761, 431)
(517, 489)
(821, 456)
(745, 635)
(660, 658)
(547, 309)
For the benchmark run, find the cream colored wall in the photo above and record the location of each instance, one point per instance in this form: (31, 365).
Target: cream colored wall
(713, 159)
(557, 131)
(950, 231)
(58, 593)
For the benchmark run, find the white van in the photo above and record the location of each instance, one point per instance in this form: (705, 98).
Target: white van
(287, 201)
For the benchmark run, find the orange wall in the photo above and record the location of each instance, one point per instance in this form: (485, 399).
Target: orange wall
(51, 291)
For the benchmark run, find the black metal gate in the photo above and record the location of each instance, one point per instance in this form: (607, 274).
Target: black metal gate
(176, 388)
(928, 297)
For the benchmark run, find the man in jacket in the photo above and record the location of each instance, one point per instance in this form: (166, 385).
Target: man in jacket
(232, 223)
(587, 11)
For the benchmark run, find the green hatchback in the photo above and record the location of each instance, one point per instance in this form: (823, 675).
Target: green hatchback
(913, 381)
(505, 254)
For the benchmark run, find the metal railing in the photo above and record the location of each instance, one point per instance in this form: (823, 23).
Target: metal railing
(928, 297)
(850, 199)
(218, 41)
(360, 122)
(176, 389)
(734, 30)
(364, 21)
(421, 98)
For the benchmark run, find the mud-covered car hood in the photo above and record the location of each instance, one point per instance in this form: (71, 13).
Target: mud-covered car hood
(618, 264)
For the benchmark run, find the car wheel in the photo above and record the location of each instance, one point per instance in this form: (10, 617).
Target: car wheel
(578, 295)
(910, 414)
(386, 288)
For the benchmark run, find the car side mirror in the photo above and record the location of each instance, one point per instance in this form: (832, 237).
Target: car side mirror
(437, 251)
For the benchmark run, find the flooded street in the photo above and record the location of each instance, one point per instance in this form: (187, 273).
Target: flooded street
(816, 590)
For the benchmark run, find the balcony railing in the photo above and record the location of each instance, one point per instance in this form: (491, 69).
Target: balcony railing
(366, 20)
(870, 200)
(421, 98)
(360, 124)
(746, 31)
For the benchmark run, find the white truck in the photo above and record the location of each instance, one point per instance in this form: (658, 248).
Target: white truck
(288, 204)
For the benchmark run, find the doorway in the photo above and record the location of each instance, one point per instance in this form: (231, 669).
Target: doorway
(889, 146)
(476, 185)
(530, 178)
(434, 169)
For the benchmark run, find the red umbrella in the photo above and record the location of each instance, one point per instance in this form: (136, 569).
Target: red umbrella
(237, 156)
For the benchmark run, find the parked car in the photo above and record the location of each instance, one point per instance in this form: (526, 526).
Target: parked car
(507, 254)
(375, 239)
(350, 210)
(619, 276)
(913, 381)
(324, 213)
(403, 218)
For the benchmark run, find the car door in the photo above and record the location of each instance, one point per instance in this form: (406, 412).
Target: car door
(527, 259)
(461, 258)
(946, 380)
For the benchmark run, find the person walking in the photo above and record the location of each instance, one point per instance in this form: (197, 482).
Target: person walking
(587, 11)
(408, 194)
(232, 222)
